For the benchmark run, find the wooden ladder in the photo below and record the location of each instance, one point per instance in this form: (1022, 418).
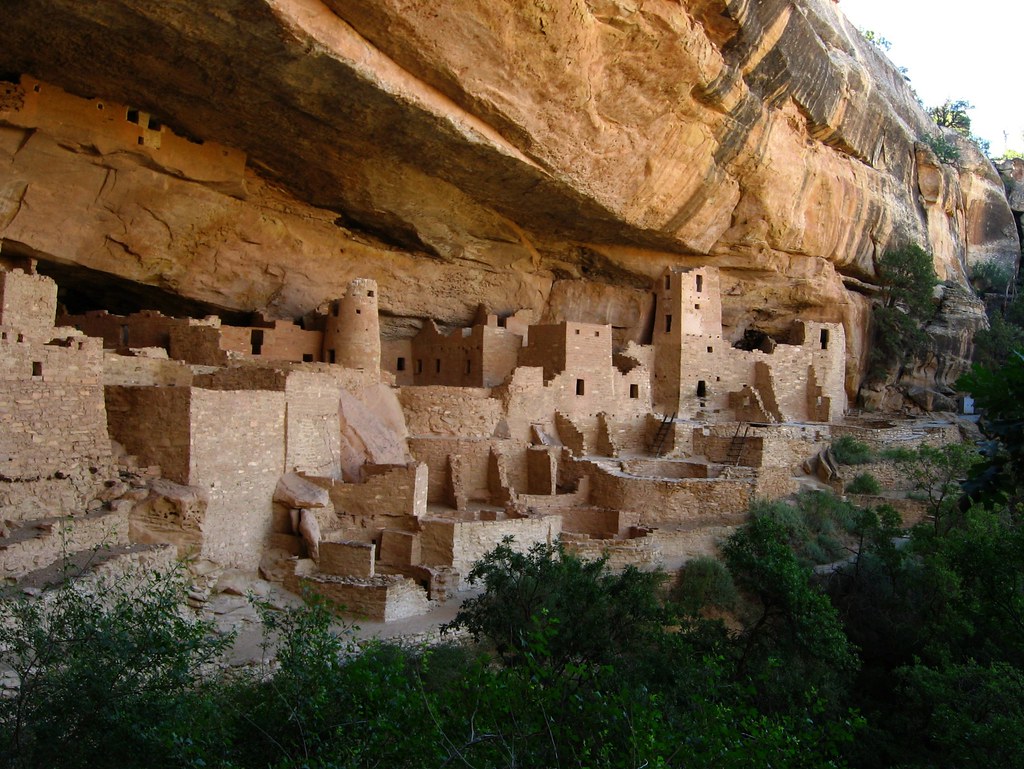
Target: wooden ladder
(735, 451)
(662, 433)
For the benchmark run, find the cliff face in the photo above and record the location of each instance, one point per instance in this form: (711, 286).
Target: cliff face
(550, 156)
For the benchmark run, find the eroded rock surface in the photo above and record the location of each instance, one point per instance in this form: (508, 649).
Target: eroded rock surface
(553, 157)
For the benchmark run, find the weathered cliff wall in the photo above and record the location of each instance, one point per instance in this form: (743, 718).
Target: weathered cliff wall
(553, 156)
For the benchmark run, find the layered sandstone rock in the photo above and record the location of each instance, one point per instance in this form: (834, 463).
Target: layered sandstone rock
(553, 157)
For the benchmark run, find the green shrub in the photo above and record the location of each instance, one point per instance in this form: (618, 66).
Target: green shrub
(991, 276)
(898, 454)
(110, 675)
(945, 150)
(849, 451)
(865, 483)
(703, 582)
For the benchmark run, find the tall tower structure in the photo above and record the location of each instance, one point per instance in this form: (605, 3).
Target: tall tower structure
(687, 337)
(352, 334)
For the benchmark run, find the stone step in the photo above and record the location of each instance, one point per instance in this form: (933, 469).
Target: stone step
(36, 544)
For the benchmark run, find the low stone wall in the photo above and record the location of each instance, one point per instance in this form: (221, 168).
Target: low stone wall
(680, 545)
(640, 552)
(382, 598)
(39, 544)
(668, 468)
(909, 434)
(890, 475)
(460, 544)
(661, 501)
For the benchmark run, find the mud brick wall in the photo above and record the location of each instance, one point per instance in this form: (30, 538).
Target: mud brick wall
(198, 342)
(399, 548)
(237, 453)
(460, 544)
(775, 483)
(284, 341)
(662, 501)
(381, 598)
(52, 416)
(682, 544)
(598, 523)
(908, 435)
(474, 475)
(108, 124)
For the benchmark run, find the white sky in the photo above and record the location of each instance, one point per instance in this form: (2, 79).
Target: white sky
(957, 50)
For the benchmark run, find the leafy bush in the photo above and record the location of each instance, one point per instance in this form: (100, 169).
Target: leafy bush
(991, 276)
(849, 451)
(945, 150)
(899, 454)
(814, 525)
(703, 582)
(864, 483)
(584, 614)
(109, 675)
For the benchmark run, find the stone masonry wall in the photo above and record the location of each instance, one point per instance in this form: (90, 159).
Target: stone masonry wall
(154, 424)
(52, 416)
(28, 303)
(237, 453)
(663, 501)
(460, 544)
(313, 439)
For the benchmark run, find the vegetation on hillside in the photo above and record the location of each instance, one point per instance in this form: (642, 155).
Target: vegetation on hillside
(906, 650)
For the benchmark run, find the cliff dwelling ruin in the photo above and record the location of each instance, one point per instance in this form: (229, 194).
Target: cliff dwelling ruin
(378, 479)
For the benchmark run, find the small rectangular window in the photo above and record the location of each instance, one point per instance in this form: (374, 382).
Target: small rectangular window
(37, 368)
(668, 282)
(696, 307)
(307, 357)
(668, 323)
(330, 356)
(469, 366)
(358, 311)
(369, 293)
(700, 283)
(502, 322)
(437, 365)
(634, 391)
(580, 388)
(400, 364)
(702, 389)
(577, 331)
(711, 349)
(419, 365)
(132, 116)
(824, 339)
(597, 333)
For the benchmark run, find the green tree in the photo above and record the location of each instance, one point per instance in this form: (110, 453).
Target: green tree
(907, 280)
(584, 614)
(953, 114)
(793, 645)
